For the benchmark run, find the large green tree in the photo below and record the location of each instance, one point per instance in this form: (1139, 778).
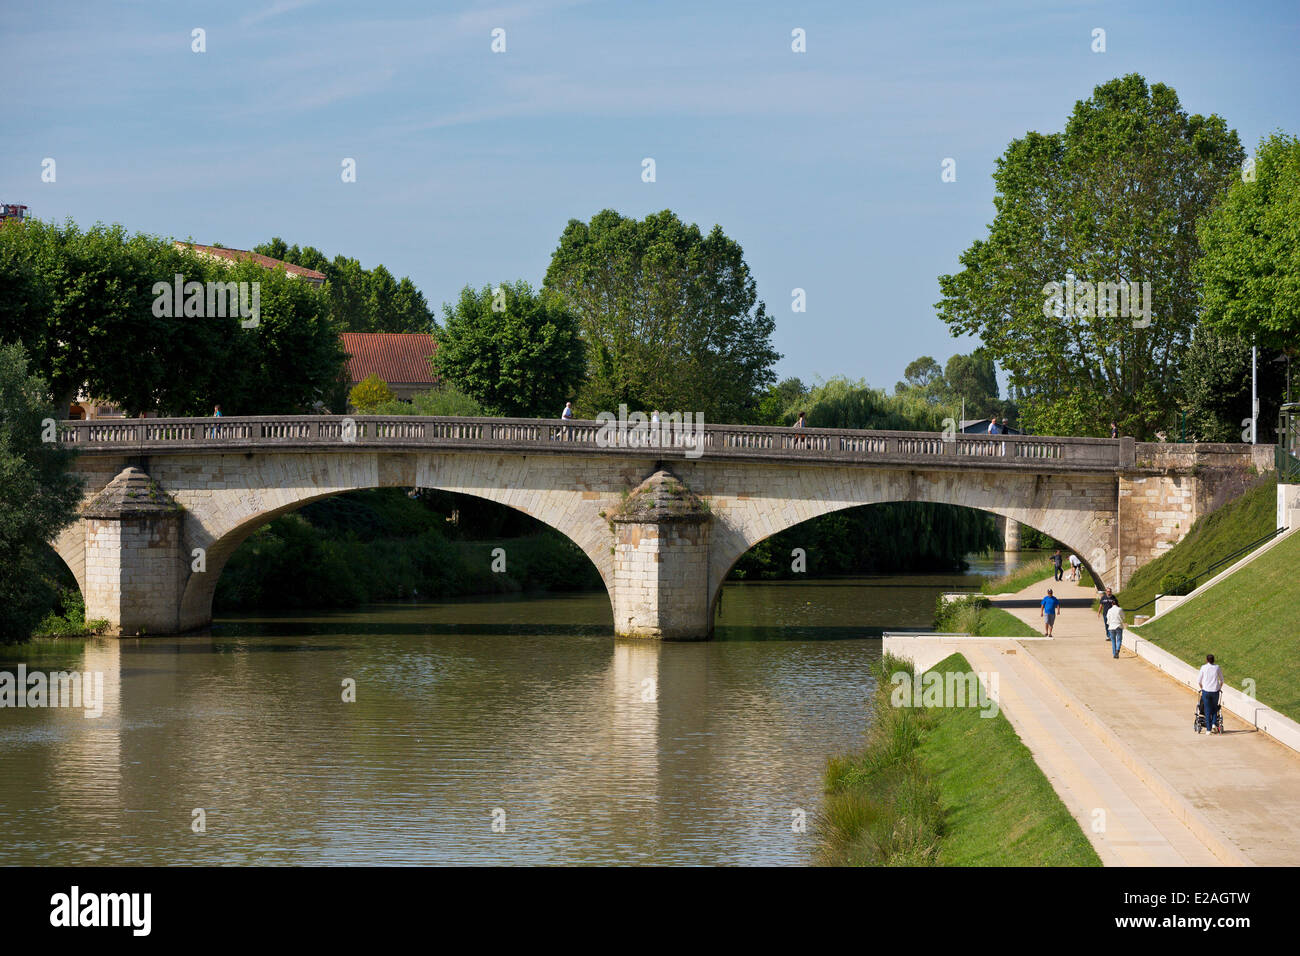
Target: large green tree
(670, 316)
(517, 352)
(1113, 199)
(87, 307)
(361, 300)
(38, 493)
(1250, 269)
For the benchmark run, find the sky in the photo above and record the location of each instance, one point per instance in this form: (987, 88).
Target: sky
(824, 165)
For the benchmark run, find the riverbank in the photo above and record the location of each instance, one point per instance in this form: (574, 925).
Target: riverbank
(943, 786)
(1117, 735)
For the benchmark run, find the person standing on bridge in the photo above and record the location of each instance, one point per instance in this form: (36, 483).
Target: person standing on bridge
(1114, 430)
(566, 416)
(1049, 607)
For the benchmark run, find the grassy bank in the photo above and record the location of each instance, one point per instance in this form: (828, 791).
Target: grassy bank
(1031, 572)
(976, 616)
(943, 786)
(1212, 538)
(1250, 622)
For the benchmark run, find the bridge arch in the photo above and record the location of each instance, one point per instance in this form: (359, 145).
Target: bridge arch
(1078, 511)
(200, 589)
(219, 520)
(717, 587)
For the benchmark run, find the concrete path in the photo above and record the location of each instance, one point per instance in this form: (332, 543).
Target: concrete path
(1127, 823)
(1237, 795)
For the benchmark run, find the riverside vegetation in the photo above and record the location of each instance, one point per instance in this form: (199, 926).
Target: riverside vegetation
(943, 787)
(975, 615)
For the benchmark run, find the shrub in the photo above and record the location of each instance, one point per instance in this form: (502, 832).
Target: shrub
(961, 616)
(369, 393)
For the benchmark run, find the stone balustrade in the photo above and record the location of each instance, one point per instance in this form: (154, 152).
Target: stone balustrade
(669, 441)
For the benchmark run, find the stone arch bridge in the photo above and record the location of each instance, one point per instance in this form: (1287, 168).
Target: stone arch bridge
(663, 514)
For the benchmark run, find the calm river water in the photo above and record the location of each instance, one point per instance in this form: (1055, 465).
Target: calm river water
(483, 731)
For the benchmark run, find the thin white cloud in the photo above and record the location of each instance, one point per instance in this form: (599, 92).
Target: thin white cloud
(274, 10)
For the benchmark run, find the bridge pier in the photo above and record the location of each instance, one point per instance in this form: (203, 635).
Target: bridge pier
(1010, 529)
(134, 561)
(661, 563)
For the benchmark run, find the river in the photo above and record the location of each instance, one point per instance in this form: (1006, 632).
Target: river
(501, 730)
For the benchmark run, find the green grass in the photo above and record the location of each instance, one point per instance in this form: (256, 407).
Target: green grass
(1212, 538)
(1250, 622)
(974, 615)
(1031, 572)
(946, 787)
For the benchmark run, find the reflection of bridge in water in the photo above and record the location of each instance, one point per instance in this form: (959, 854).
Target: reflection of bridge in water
(662, 514)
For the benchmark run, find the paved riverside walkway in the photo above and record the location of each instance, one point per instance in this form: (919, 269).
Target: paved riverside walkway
(1117, 735)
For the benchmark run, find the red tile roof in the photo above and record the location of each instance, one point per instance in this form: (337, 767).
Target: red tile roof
(399, 358)
(241, 255)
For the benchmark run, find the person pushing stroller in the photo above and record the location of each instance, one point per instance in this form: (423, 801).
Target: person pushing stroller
(1209, 711)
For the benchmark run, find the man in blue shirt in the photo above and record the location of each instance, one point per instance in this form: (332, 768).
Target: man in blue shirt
(1050, 605)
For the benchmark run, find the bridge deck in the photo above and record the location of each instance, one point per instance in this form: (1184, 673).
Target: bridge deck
(669, 440)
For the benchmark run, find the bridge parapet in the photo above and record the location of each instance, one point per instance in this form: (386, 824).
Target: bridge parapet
(811, 445)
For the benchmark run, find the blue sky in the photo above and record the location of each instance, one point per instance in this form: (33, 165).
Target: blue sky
(824, 166)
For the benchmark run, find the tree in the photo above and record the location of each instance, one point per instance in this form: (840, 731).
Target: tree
(779, 397)
(88, 308)
(517, 352)
(1112, 200)
(360, 300)
(670, 317)
(369, 393)
(1251, 246)
(288, 362)
(1216, 384)
(38, 493)
(974, 378)
(923, 375)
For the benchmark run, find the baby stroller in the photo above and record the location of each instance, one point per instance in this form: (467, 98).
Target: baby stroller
(1198, 724)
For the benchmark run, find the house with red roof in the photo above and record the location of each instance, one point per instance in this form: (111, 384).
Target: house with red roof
(399, 358)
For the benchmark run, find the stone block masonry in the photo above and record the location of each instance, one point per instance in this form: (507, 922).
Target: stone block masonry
(662, 534)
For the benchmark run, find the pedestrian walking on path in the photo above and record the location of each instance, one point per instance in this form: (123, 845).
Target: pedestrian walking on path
(1056, 564)
(1108, 601)
(1210, 684)
(1115, 628)
(1075, 563)
(1048, 610)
